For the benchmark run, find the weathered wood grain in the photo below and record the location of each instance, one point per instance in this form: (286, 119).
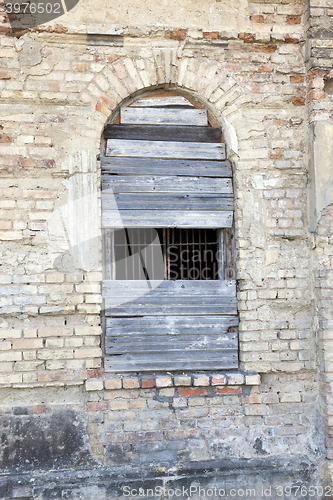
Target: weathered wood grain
(164, 218)
(173, 325)
(165, 184)
(165, 167)
(216, 360)
(178, 287)
(181, 133)
(176, 100)
(166, 149)
(163, 116)
(152, 201)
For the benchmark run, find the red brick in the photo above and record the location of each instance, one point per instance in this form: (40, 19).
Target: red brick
(266, 68)
(211, 35)
(316, 95)
(5, 138)
(101, 406)
(265, 49)
(146, 383)
(228, 390)
(219, 379)
(178, 34)
(297, 101)
(275, 155)
(192, 391)
(297, 79)
(96, 373)
(291, 39)
(105, 58)
(102, 109)
(247, 37)
(6, 75)
(257, 19)
(60, 29)
(293, 19)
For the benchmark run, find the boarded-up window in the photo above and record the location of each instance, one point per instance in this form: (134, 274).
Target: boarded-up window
(167, 214)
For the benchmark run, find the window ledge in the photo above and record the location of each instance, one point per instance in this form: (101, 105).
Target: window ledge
(168, 380)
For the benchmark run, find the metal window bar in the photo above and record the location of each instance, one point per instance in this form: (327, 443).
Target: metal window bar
(188, 254)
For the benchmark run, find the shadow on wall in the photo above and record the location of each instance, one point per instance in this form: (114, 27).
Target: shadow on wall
(24, 15)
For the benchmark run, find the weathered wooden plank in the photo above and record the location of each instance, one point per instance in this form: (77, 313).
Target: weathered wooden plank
(118, 345)
(167, 287)
(175, 100)
(153, 201)
(163, 133)
(138, 341)
(132, 309)
(172, 300)
(165, 167)
(165, 184)
(170, 325)
(166, 149)
(220, 362)
(163, 116)
(184, 347)
(163, 218)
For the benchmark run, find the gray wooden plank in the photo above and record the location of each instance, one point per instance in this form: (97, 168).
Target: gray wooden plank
(153, 201)
(171, 301)
(115, 364)
(170, 340)
(170, 325)
(163, 133)
(163, 344)
(165, 348)
(131, 309)
(163, 116)
(165, 149)
(165, 184)
(165, 167)
(176, 288)
(197, 354)
(175, 100)
(163, 218)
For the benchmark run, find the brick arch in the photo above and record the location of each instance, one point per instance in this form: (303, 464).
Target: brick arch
(203, 81)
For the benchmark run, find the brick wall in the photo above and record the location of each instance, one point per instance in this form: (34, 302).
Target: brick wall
(264, 83)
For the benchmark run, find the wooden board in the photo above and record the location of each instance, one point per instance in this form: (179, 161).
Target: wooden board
(166, 149)
(166, 218)
(171, 297)
(165, 287)
(165, 167)
(156, 201)
(175, 100)
(163, 133)
(163, 116)
(118, 344)
(169, 325)
(164, 184)
(170, 345)
(215, 360)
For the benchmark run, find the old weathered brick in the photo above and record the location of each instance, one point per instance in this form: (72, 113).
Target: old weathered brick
(228, 390)
(192, 391)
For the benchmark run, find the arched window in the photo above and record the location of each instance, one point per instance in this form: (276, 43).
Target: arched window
(167, 214)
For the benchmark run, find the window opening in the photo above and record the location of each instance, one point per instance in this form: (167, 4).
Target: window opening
(188, 254)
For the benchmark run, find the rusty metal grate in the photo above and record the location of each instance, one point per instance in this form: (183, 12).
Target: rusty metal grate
(187, 254)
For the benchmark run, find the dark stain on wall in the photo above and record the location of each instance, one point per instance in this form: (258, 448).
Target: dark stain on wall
(47, 441)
